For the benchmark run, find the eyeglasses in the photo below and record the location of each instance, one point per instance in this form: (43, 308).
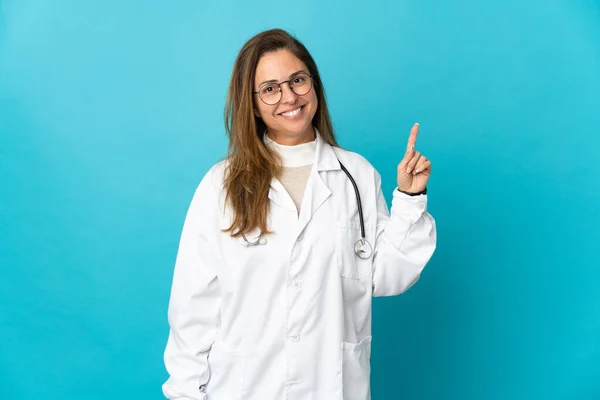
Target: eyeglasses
(270, 93)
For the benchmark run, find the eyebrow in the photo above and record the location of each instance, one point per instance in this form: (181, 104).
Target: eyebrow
(275, 81)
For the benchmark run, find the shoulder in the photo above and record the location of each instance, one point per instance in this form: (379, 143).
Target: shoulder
(210, 189)
(352, 158)
(357, 164)
(214, 177)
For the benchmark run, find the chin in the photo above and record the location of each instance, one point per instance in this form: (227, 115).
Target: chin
(296, 129)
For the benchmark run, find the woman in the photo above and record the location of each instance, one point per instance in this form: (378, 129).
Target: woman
(274, 277)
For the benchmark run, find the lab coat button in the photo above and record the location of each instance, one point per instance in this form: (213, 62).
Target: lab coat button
(297, 284)
(202, 389)
(294, 338)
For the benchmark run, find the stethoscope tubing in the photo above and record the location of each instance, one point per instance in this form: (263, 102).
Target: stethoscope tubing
(360, 214)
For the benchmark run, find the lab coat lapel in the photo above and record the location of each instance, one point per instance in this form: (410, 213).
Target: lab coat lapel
(279, 196)
(317, 191)
(277, 193)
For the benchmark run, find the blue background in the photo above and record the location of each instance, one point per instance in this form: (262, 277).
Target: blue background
(111, 112)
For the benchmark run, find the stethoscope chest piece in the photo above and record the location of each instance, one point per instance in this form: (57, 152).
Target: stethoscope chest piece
(363, 249)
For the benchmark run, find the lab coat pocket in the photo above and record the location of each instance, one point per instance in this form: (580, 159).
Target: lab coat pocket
(347, 233)
(227, 369)
(356, 370)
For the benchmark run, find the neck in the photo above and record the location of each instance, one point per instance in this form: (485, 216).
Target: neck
(287, 139)
(293, 156)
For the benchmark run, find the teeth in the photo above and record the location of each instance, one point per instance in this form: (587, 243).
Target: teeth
(292, 113)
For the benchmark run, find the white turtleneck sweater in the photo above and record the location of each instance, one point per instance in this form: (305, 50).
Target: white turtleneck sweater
(297, 164)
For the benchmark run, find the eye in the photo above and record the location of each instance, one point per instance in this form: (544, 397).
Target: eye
(299, 80)
(269, 89)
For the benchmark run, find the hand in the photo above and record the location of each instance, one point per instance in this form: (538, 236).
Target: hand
(414, 169)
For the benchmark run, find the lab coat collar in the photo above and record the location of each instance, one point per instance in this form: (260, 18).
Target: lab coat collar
(316, 191)
(325, 158)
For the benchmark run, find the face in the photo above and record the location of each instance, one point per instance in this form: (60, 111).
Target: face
(289, 121)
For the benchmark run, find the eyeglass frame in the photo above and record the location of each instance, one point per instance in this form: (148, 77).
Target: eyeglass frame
(281, 89)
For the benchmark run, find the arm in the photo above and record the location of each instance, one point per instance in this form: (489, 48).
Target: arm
(194, 303)
(406, 240)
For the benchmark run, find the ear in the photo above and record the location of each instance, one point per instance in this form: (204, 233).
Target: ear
(256, 113)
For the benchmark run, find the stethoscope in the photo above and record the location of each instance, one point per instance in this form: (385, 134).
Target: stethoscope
(362, 247)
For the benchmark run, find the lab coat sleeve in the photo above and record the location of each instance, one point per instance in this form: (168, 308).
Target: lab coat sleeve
(193, 312)
(406, 240)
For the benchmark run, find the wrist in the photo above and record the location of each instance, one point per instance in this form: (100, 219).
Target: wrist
(424, 191)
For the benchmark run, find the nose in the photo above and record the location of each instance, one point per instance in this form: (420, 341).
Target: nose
(287, 94)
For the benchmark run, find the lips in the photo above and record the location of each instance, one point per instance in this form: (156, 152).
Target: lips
(293, 112)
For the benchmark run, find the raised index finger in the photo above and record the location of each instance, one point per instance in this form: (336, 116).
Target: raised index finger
(412, 139)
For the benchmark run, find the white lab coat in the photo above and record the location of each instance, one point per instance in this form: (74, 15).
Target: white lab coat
(290, 319)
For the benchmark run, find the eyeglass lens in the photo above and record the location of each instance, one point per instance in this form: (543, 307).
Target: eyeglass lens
(300, 84)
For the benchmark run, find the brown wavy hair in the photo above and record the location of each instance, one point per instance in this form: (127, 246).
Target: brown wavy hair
(250, 164)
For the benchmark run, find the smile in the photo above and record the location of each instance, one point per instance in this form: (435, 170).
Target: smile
(292, 113)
